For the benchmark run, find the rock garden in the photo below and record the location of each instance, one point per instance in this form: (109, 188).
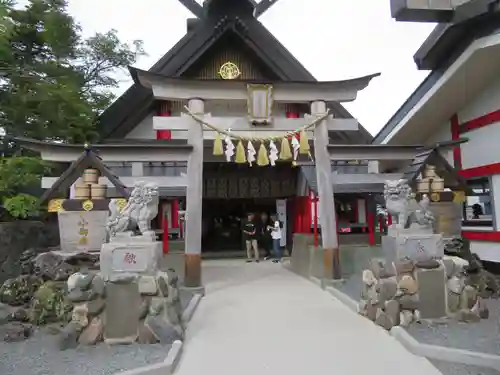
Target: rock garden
(60, 302)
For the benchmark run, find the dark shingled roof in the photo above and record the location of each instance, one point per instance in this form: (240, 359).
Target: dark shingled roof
(88, 159)
(137, 102)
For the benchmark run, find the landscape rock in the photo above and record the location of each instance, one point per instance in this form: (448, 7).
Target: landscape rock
(361, 307)
(371, 311)
(163, 286)
(148, 286)
(427, 264)
(469, 297)
(5, 313)
(404, 267)
(408, 285)
(98, 286)
(163, 330)
(51, 266)
(20, 290)
(383, 320)
(409, 302)
(454, 301)
(392, 310)
(449, 266)
(417, 316)
(15, 332)
(405, 318)
(49, 304)
(380, 269)
(78, 295)
(93, 332)
(19, 315)
(79, 315)
(84, 282)
(386, 289)
(455, 284)
(95, 307)
(145, 335)
(144, 310)
(467, 316)
(68, 338)
(368, 278)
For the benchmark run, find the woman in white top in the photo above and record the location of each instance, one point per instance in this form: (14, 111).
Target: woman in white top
(275, 230)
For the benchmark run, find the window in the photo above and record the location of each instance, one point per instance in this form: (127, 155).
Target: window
(164, 169)
(120, 169)
(478, 210)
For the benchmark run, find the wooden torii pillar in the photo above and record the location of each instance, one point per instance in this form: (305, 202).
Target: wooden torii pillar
(329, 237)
(194, 198)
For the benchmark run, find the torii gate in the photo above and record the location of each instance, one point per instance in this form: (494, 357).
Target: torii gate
(319, 95)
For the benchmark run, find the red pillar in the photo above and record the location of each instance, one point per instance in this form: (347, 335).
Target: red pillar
(165, 234)
(315, 200)
(370, 216)
(307, 218)
(164, 111)
(175, 213)
(389, 220)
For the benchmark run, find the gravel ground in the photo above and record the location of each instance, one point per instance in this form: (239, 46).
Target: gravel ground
(40, 356)
(449, 368)
(481, 337)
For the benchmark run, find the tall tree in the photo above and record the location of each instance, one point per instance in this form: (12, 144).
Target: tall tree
(54, 83)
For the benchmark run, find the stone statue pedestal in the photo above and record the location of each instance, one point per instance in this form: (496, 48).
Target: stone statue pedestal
(414, 243)
(130, 256)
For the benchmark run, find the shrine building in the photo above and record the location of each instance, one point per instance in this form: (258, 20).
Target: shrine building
(134, 145)
(229, 122)
(460, 98)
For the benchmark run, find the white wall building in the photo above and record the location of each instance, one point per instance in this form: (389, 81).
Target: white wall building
(461, 99)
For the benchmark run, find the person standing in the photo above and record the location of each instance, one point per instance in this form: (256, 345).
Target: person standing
(250, 237)
(276, 237)
(265, 235)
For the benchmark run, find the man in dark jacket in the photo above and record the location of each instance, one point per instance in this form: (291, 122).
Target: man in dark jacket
(250, 236)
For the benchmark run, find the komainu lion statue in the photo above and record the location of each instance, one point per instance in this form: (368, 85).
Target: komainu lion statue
(400, 203)
(141, 208)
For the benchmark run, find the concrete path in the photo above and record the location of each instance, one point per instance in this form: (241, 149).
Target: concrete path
(260, 319)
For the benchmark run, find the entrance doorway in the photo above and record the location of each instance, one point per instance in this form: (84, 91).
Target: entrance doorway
(222, 221)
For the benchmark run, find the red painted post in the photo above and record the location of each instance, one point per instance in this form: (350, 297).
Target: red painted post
(175, 213)
(315, 200)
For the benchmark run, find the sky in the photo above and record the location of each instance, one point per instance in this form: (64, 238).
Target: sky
(333, 39)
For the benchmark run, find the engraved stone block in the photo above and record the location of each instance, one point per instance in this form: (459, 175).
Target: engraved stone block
(82, 231)
(432, 292)
(412, 246)
(122, 313)
(134, 258)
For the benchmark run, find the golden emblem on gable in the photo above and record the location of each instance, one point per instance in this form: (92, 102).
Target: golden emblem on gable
(229, 70)
(55, 205)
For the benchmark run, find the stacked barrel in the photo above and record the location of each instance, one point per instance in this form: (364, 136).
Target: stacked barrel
(446, 210)
(88, 187)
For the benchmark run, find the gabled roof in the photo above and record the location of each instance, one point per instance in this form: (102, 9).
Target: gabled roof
(444, 169)
(88, 159)
(137, 101)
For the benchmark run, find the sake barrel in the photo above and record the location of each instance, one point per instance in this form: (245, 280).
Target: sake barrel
(430, 171)
(82, 191)
(423, 185)
(437, 184)
(98, 191)
(448, 217)
(91, 176)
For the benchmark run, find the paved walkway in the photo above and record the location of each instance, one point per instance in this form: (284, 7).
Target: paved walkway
(260, 319)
